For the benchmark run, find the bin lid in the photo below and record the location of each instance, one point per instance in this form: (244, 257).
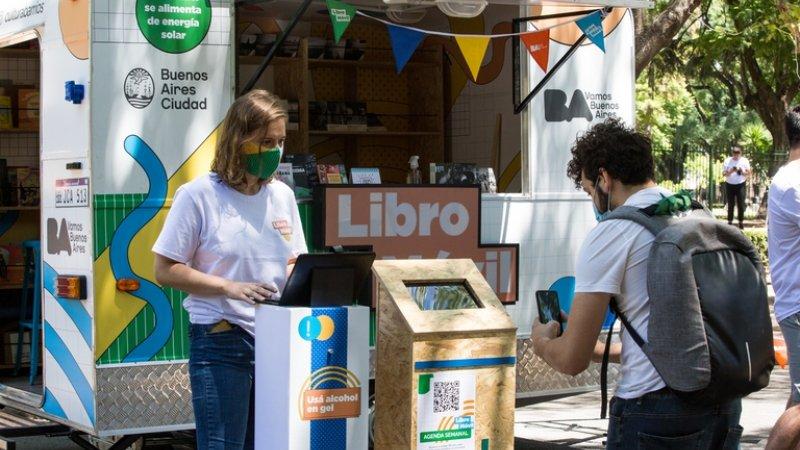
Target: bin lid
(396, 275)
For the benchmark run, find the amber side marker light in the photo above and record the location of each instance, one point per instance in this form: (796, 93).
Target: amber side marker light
(72, 287)
(127, 285)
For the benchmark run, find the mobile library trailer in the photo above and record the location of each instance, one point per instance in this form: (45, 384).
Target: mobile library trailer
(133, 91)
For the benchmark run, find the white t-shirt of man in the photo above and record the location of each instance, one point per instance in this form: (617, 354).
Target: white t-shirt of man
(741, 163)
(217, 230)
(783, 222)
(613, 260)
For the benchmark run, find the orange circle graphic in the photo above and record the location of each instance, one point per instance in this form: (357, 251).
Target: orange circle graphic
(73, 17)
(568, 34)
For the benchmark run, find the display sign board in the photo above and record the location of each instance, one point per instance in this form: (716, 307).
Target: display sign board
(446, 410)
(17, 16)
(418, 222)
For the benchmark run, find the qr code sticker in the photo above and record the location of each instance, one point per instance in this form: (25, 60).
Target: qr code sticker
(446, 396)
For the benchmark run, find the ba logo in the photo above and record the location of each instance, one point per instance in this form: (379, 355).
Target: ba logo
(58, 237)
(557, 110)
(139, 88)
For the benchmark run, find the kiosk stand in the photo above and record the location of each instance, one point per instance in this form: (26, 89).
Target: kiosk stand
(445, 376)
(312, 363)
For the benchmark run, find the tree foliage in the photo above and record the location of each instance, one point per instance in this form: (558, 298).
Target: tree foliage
(738, 61)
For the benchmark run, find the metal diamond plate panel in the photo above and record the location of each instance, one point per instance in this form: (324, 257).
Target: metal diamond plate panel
(535, 377)
(143, 396)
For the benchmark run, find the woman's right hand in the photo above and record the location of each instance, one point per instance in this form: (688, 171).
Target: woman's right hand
(251, 293)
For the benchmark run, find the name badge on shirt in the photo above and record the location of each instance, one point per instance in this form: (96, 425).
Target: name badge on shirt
(283, 228)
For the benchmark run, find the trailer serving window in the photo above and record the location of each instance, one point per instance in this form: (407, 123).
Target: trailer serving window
(20, 256)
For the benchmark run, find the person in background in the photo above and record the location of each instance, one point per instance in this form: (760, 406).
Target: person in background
(614, 165)
(783, 237)
(736, 169)
(229, 241)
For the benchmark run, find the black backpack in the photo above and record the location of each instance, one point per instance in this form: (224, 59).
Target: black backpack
(709, 333)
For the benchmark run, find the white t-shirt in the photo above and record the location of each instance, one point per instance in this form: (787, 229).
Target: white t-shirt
(218, 230)
(613, 260)
(783, 224)
(734, 177)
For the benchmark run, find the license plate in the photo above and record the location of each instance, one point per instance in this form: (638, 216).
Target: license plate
(72, 192)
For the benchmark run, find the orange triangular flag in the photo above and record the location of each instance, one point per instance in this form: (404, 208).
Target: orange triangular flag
(538, 44)
(474, 49)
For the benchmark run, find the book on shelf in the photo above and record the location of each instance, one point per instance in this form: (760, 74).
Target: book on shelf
(487, 180)
(332, 173)
(453, 173)
(304, 174)
(365, 175)
(285, 174)
(28, 109)
(374, 123)
(337, 116)
(28, 183)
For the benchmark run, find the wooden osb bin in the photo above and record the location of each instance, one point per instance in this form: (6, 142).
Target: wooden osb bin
(413, 343)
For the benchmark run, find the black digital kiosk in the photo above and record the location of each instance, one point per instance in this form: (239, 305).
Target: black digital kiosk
(328, 279)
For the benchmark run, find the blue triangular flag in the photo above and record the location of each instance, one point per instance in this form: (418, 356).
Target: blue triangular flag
(404, 43)
(592, 27)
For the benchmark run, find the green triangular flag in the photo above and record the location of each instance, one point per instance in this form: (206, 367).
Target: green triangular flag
(341, 15)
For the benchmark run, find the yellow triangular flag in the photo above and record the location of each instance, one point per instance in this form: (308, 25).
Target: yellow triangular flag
(474, 49)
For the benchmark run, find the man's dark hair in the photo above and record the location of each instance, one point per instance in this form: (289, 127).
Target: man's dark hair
(793, 126)
(736, 147)
(623, 152)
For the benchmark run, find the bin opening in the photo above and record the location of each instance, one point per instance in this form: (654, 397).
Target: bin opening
(442, 296)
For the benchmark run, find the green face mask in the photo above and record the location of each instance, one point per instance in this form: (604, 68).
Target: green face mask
(263, 163)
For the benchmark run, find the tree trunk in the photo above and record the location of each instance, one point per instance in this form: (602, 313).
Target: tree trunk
(652, 38)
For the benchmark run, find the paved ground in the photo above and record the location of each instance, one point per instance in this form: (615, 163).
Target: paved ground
(573, 422)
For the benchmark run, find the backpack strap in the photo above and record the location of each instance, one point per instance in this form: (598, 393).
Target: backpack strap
(604, 371)
(649, 218)
(642, 216)
(606, 353)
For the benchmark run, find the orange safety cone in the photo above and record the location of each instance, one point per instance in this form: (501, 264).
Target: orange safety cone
(781, 356)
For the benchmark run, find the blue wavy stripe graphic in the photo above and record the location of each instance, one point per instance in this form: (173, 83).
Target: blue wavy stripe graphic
(60, 352)
(330, 434)
(74, 308)
(51, 405)
(7, 221)
(120, 266)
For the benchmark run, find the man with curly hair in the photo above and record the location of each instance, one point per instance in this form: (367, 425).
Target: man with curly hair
(614, 165)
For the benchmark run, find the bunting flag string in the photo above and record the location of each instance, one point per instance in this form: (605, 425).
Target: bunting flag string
(474, 49)
(538, 45)
(341, 15)
(490, 36)
(404, 44)
(592, 27)
(405, 39)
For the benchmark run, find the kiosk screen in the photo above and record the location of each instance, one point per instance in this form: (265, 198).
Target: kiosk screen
(442, 296)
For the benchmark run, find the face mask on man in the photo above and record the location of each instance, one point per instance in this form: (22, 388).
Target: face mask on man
(601, 214)
(262, 161)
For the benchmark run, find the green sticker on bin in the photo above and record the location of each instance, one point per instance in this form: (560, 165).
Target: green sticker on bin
(424, 383)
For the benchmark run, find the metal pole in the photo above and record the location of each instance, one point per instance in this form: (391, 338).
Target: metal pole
(278, 43)
(519, 107)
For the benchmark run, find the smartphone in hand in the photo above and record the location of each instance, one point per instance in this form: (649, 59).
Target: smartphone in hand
(549, 308)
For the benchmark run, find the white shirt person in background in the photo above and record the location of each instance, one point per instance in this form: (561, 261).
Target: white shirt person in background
(736, 169)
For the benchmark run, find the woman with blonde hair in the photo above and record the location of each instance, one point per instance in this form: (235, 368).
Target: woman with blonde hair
(229, 241)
